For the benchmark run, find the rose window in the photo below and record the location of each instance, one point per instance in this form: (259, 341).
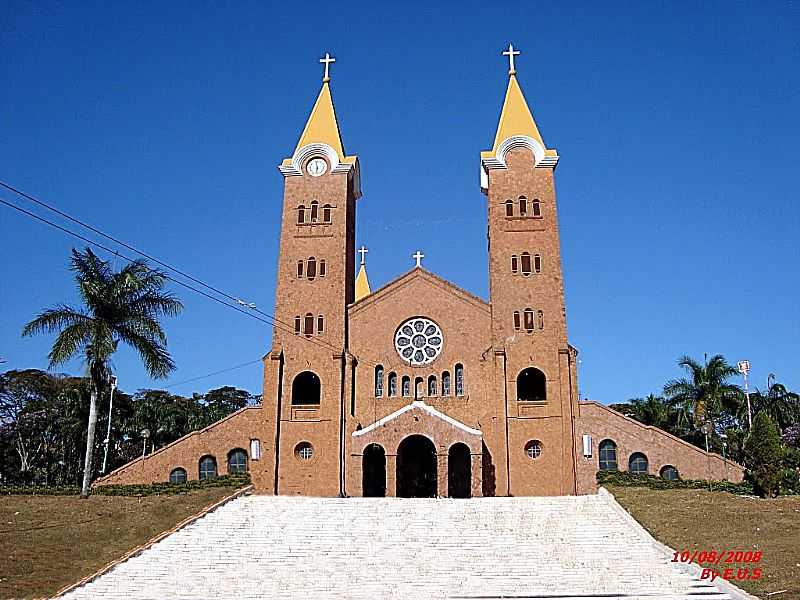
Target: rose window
(418, 341)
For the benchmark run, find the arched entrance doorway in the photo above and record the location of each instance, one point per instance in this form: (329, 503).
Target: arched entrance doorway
(374, 471)
(416, 468)
(459, 471)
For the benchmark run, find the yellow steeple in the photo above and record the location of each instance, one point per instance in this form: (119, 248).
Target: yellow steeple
(362, 284)
(322, 127)
(516, 117)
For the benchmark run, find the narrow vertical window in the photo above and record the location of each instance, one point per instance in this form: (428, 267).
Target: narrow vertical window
(392, 384)
(311, 268)
(514, 263)
(297, 323)
(525, 260)
(322, 268)
(300, 269)
(523, 206)
(301, 214)
(308, 326)
(536, 209)
(379, 381)
(516, 320)
(326, 213)
(540, 319)
(537, 263)
(320, 324)
(314, 211)
(432, 391)
(509, 208)
(406, 385)
(446, 383)
(528, 319)
(459, 380)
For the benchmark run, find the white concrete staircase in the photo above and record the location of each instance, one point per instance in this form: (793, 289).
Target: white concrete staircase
(313, 548)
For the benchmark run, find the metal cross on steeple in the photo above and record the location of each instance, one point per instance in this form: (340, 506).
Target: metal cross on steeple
(418, 256)
(511, 53)
(327, 60)
(363, 252)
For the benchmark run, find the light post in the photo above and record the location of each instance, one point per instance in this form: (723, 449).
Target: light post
(770, 377)
(744, 369)
(107, 441)
(724, 459)
(706, 429)
(145, 435)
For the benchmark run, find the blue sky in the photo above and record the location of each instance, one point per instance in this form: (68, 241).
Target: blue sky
(163, 123)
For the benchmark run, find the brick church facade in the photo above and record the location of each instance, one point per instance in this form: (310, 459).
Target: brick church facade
(421, 388)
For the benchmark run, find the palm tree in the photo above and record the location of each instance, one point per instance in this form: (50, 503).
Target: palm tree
(706, 392)
(779, 403)
(117, 306)
(652, 410)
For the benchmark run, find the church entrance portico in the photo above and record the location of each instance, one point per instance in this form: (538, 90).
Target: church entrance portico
(416, 468)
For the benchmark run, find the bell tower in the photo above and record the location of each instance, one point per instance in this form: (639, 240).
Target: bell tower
(534, 364)
(304, 371)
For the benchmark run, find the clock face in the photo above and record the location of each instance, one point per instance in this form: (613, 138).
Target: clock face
(316, 167)
(418, 341)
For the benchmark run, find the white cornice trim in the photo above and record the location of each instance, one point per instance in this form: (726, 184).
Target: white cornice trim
(304, 154)
(498, 161)
(418, 404)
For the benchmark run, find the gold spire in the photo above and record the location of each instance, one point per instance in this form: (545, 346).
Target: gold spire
(362, 283)
(322, 127)
(516, 117)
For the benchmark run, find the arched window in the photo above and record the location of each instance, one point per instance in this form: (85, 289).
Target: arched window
(514, 263)
(536, 209)
(531, 385)
(308, 326)
(379, 381)
(326, 213)
(525, 260)
(419, 388)
(637, 463)
(299, 269)
(446, 383)
(237, 461)
(516, 320)
(306, 389)
(607, 454)
(297, 324)
(322, 268)
(406, 385)
(314, 211)
(301, 214)
(311, 268)
(432, 387)
(177, 475)
(670, 473)
(509, 208)
(392, 384)
(459, 380)
(523, 206)
(537, 263)
(208, 467)
(528, 319)
(320, 325)
(540, 319)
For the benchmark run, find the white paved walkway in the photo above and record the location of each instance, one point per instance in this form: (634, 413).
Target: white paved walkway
(314, 548)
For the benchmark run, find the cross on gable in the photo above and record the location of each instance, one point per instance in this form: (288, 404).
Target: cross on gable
(511, 53)
(418, 256)
(327, 60)
(363, 252)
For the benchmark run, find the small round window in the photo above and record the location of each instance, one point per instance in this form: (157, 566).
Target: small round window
(304, 451)
(418, 341)
(533, 449)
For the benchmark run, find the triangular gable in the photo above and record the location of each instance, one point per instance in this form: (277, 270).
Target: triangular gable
(418, 405)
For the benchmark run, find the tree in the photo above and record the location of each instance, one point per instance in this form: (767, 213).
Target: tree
(706, 394)
(763, 455)
(779, 403)
(123, 306)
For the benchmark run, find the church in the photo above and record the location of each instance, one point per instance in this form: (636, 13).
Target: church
(420, 388)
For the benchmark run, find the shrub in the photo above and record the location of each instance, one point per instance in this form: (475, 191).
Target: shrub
(763, 456)
(625, 479)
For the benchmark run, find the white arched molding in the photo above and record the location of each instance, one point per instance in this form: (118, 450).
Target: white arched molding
(309, 151)
(498, 161)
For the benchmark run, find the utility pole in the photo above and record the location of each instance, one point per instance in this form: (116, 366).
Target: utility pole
(744, 368)
(107, 441)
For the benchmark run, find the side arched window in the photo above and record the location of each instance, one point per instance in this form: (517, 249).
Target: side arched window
(536, 209)
(607, 453)
(540, 319)
(531, 385)
(446, 383)
(637, 463)
(514, 263)
(432, 387)
(208, 467)
(379, 381)
(320, 324)
(177, 475)
(322, 268)
(297, 324)
(459, 380)
(669, 473)
(301, 214)
(326, 213)
(523, 206)
(314, 211)
(237, 461)
(392, 384)
(306, 389)
(509, 208)
(516, 320)
(300, 269)
(537, 263)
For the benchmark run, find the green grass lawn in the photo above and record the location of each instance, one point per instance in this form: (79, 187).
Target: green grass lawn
(703, 520)
(47, 542)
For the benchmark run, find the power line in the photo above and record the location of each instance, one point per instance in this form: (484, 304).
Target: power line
(270, 320)
(247, 364)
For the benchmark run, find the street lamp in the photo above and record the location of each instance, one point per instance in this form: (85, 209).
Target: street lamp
(145, 435)
(770, 377)
(107, 441)
(744, 369)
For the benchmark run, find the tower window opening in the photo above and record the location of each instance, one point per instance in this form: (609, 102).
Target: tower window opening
(300, 269)
(308, 326)
(531, 385)
(536, 208)
(301, 214)
(306, 389)
(311, 269)
(297, 324)
(320, 325)
(516, 320)
(540, 319)
(322, 268)
(537, 263)
(326, 213)
(523, 206)
(525, 261)
(314, 211)
(509, 208)
(514, 263)
(528, 319)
